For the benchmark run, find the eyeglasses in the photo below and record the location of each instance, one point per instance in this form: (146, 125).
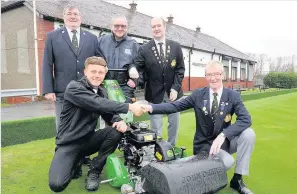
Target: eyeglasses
(217, 74)
(117, 26)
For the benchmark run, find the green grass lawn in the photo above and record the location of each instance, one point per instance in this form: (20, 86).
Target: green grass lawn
(273, 167)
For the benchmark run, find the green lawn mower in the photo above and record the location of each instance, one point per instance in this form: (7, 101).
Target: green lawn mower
(151, 165)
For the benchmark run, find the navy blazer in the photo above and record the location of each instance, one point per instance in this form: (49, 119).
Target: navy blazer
(206, 131)
(60, 63)
(160, 77)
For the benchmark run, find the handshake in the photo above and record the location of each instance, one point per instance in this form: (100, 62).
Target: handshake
(139, 109)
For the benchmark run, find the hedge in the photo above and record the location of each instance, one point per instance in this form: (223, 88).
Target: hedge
(281, 79)
(23, 131)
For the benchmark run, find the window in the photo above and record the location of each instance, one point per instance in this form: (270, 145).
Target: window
(242, 74)
(226, 70)
(3, 55)
(23, 51)
(233, 73)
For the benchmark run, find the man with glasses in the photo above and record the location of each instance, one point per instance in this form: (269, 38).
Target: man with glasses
(65, 51)
(119, 51)
(214, 107)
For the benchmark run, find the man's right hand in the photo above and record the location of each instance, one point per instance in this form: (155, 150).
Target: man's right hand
(137, 109)
(50, 96)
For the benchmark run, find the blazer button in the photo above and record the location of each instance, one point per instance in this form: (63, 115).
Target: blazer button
(77, 72)
(77, 61)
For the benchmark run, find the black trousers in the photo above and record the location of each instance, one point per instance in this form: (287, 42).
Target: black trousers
(67, 156)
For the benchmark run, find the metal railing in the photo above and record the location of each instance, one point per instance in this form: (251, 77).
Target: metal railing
(20, 92)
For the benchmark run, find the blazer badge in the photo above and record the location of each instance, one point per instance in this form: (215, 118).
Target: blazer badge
(228, 118)
(173, 63)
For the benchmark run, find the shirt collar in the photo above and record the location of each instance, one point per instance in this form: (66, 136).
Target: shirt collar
(158, 41)
(124, 37)
(69, 30)
(220, 91)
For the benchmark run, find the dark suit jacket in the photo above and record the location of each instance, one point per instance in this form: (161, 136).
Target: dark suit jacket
(206, 131)
(60, 63)
(159, 77)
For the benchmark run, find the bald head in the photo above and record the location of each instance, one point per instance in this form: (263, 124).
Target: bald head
(158, 28)
(119, 27)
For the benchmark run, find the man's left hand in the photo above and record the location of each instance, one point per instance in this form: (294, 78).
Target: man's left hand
(131, 83)
(216, 145)
(120, 126)
(173, 95)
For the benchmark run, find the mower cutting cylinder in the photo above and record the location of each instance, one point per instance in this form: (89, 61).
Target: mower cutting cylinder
(190, 175)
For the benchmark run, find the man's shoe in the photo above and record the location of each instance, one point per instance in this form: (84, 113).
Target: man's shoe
(77, 171)
(240, 187)
(87, 161)
(92, 182)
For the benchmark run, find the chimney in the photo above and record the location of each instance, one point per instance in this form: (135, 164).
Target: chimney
(133, 7)
(170, 19)
(198, 29)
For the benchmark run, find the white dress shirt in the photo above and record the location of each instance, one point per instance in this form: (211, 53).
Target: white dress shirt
(163, 45)
(220, 91)
(71, 34)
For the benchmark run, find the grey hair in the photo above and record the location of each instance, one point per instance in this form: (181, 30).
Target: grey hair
(214, 63)
(70, 6)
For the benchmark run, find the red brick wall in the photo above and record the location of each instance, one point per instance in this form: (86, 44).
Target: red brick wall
(43, 27)
(200, 82)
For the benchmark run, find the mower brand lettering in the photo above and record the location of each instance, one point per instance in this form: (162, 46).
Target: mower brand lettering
(207, 180)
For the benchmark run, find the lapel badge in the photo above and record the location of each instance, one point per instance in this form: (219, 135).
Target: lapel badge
(204, 108)
(158, 58)
(206, 113)
(159, 61)
(226, 103)
(153, 48)
(221, 113)
(155, 54)
(228, 118)
(173, 63)
(63, 31)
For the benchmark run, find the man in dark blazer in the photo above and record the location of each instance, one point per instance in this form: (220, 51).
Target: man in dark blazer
(162, 62)
(214, 107)
(65, 51)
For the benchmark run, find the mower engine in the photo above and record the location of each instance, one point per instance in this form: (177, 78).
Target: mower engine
(138, 146)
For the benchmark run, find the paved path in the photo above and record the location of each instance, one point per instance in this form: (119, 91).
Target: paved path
(27, 111)
(30, 110)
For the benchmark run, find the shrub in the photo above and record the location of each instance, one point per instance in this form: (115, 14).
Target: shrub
(281, 79)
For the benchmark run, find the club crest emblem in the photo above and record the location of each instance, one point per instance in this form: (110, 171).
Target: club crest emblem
(228, 118)
(173, 63)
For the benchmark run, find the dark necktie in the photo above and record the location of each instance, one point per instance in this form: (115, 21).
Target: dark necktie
(214, 107)
(74, 41)
(161, 52)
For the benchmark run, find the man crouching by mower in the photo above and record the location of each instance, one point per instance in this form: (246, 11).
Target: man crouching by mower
(85, 101)
(214, 107)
